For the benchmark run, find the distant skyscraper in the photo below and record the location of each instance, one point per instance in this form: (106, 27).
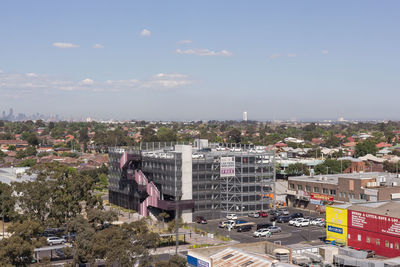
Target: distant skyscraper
(245, 116)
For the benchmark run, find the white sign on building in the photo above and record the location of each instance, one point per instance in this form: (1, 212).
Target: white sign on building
(227, 166)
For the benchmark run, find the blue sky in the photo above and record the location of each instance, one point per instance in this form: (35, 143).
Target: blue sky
(191, 60)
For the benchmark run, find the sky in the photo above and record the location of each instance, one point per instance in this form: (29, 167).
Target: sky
(201, 60)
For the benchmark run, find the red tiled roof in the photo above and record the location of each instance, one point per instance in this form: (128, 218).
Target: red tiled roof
(280, 145)
(383, 144)
(13, 142)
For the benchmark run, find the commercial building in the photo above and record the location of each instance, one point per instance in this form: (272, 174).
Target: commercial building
(259, 254)
(316, 191)
(368, 226)
(201, 180)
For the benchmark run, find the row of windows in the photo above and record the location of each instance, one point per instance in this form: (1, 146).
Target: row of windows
(307, 188)
(378, 242)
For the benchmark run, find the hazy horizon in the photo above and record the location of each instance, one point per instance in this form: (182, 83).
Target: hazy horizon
(204, 60)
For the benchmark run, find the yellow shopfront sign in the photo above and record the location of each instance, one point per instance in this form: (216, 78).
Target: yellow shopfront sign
(336, 223)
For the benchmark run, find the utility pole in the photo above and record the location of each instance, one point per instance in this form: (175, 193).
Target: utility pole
(327, 168)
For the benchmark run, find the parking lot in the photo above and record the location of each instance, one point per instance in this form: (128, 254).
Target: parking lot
(289, 234)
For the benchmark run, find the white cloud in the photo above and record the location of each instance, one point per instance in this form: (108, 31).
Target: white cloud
(170, 75)
(184, 42)
(65, 45)
(98, 46)
(87, 81)
(31, 74)
(24, 86)
(325, 52)
(204, 52)
(145, 33)
(291, 55)
(274, 56)
(1, 71)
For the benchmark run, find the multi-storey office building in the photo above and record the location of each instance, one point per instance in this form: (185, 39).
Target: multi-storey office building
(200, 181)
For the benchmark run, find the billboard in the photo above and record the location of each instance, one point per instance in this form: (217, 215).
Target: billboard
(336, 223)
(227, 166)
(322, 197)
(374, 223)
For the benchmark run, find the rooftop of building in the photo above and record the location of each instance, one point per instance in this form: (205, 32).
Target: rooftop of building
(385, 208)
(17, 174)
(334, 178)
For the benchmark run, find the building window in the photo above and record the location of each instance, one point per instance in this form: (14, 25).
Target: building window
(316, 189)
(386, 243)
(333, 192)
(378, 242)
(368, 239)
(291, 186)
(396, 246)
(359, 237)
(363, 196)
(308, 188)
(325, 191)
(299, 187)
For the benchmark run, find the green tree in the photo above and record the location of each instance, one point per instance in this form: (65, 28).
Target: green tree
(365, 147)
(297, 169)
(12, 148)
(32, 140)
(16, 251)
(234, 136)
(174, 261)
(331, 166)
(7, 201)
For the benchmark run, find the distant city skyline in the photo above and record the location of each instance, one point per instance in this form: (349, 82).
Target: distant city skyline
(208, 60)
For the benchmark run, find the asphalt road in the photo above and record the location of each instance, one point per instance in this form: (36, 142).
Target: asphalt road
(289, 235)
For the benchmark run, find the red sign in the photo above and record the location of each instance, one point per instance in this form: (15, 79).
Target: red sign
(374, 223)
(317, 196)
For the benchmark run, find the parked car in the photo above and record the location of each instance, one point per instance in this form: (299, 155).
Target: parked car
(231, 216)
(54, 240)
(263, 225)
(316, 221)
(276, 213)
(244, 228)
(60, 253)
(283, 219)
(284, 211)
(293, 221)
(274, 229)
(302, 223)
(223, 224)
(254, 214)
(230, 224)
(262, 232)
(262, 214)
(70, 236)
(201, 219)
(297, 215)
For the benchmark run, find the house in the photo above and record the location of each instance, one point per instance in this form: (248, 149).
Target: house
(4, 144)
(383, 145)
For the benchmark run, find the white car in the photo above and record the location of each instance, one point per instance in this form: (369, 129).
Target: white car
(293, 221)
(230, 224)
(304, 222)
(236, 149)
(284, 211)
(317, 221)
(53, 240)
(262, 232)
(231, 216)
(254, 214)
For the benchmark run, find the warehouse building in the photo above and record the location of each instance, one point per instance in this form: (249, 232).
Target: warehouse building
(201, 180)
(368, 226)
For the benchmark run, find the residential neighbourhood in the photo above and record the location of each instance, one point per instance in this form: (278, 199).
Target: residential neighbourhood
(231, 193)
